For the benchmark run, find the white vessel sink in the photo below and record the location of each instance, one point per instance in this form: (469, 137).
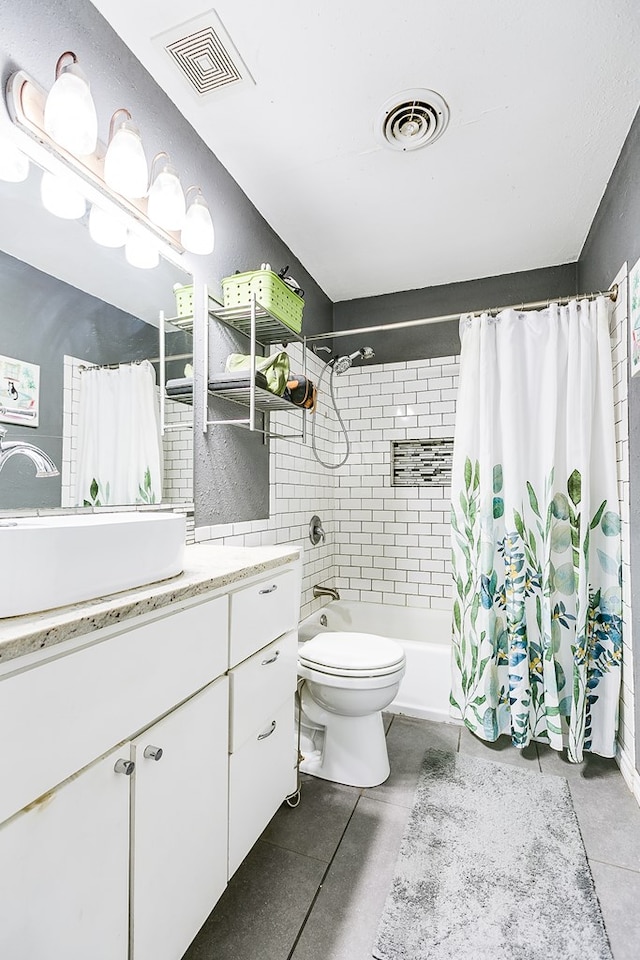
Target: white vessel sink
(49, 562)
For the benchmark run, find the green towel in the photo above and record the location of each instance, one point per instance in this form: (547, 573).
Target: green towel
(275, 368)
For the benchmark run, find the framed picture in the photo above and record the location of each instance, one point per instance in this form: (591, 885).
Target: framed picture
(634, 317)
(19, 391)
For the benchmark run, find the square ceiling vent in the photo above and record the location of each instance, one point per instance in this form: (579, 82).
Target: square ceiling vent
(205, 56)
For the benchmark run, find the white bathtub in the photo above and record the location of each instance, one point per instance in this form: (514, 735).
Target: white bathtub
(425, 636)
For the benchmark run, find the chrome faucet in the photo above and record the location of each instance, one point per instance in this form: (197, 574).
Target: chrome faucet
(45, 467)
(320, 591)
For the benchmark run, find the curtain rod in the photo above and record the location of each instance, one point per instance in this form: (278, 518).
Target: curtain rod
(612, 294)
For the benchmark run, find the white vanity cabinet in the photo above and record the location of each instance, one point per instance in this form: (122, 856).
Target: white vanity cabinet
(139, 764)
(78, 828)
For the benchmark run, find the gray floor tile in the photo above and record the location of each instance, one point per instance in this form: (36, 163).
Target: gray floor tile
(609, 819)
(260, 913)
(315, 826)
(501, 751)
(592, 767)
(407, 741)
(344, 919)
(619, 895)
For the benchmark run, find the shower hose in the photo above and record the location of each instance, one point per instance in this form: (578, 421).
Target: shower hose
(329, 466)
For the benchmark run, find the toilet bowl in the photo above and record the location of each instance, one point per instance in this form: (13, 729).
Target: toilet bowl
(349, 680)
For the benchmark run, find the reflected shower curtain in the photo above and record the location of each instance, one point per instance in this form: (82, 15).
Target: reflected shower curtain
(537, 614)
(119, 449)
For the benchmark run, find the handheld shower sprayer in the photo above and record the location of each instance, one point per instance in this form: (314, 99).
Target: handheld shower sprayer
(342, 364)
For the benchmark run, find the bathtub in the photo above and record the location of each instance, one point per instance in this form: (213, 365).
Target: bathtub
(425, 636)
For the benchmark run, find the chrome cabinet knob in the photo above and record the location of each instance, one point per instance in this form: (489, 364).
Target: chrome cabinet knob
(124, 766)
(152, 753)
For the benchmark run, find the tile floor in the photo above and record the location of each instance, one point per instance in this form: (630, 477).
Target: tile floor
(314, 885)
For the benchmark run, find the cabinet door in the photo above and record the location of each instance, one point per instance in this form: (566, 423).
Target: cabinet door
(261, 774)
(179, 824)
(64, 870)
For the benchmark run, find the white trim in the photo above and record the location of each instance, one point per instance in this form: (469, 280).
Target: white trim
(629, 773)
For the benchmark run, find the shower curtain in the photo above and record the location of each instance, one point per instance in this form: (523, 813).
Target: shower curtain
(537, 612)
(119, 450)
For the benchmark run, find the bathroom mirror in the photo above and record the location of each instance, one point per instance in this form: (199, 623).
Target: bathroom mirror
(67, 303)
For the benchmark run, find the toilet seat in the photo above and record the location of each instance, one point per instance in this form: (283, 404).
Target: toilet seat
(352, 655)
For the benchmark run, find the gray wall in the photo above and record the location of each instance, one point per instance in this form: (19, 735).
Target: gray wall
(442, 339)
(615, 237)
(231, 464)
(41, 320)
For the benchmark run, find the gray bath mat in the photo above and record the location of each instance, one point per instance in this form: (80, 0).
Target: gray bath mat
(491, 867)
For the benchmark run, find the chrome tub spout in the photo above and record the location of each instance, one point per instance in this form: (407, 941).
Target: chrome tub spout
(320, 591)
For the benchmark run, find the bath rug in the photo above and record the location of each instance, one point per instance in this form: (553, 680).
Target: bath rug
(491, 867)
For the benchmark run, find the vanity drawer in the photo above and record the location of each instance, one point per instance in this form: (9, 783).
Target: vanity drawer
(65, 713)
(260, 685)
(261, 613)
(261, 774)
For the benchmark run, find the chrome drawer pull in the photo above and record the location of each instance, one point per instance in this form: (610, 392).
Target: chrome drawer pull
(271, 659)
(269, 589)
(263, 736)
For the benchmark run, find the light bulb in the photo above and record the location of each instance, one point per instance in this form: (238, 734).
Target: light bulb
(106, 229)
(197, 232)
(69, 113)
(166, 198)
(14, 165)
(125, 164)
(61, 198)
(140, 252)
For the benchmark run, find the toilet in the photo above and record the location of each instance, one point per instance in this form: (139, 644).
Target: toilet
(349, 680)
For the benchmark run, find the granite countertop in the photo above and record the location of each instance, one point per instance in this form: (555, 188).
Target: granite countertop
(206, 567)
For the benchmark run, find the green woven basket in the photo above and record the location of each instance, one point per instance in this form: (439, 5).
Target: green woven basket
(274, 295)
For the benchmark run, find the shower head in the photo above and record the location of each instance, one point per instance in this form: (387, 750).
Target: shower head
(342, 364)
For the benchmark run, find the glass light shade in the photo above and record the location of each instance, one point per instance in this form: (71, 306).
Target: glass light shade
(166, 199)
(141, 252)
(106, 229)
(14, 165)
(197, 232)
(125, 165)
(69, 113)
(61, 198)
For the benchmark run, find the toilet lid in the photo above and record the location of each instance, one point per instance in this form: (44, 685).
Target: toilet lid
(351, 652)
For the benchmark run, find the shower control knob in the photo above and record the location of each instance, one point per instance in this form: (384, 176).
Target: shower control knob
(152, 753)
(124, 766)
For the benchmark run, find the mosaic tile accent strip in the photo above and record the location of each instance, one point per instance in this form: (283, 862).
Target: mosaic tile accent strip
(421, 463)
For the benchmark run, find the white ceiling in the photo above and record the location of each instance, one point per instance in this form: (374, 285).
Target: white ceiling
(541, 94)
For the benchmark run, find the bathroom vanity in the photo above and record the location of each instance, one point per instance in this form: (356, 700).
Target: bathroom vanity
(147, 740)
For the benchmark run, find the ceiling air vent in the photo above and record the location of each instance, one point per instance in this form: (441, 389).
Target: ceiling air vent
(205, 55)
(412, 119)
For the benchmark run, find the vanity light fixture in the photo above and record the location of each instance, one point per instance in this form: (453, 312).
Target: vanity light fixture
(111, 178)
(197, 233)
(167, 205)
(60, 197)
(106, 228)
(14, 165)
(70, 116)
(140, 251)
(125, 163)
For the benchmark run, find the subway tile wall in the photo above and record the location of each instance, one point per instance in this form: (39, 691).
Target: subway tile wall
(619, 330)
(394, 542)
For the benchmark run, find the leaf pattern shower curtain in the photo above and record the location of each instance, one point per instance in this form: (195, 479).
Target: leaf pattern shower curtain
(119, 449)
(537, 614)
